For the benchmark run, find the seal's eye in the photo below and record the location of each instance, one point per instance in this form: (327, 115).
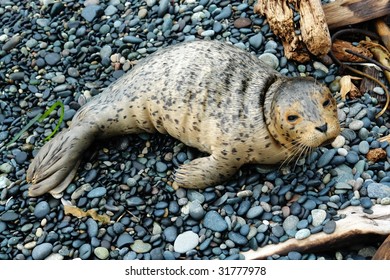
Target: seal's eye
(292, 118)
(326, 103)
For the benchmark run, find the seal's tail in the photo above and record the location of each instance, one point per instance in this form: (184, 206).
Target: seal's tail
(56, 163)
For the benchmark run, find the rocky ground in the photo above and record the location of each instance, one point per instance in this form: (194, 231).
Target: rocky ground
(69, 50)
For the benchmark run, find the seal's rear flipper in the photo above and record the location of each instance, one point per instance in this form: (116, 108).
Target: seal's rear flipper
(56, 163)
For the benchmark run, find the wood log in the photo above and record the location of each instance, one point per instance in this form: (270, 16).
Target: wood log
(355, 224)
(345, 12)
(339, 47)
(383, 253)
(383, 31)
(314, 37)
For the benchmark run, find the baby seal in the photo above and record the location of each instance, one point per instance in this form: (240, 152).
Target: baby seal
(209, 95)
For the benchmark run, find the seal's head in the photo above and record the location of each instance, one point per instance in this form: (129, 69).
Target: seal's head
(301, 115)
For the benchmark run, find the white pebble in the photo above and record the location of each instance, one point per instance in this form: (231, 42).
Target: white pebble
(338, 142)
(185, 242)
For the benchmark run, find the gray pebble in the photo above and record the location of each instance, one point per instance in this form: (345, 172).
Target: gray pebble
(356, 125)
(20, 157)
(254, 212)
(85, 251)
(302, 234)
(97, 192)
(329, 227)
(41, 209)
(364, 147)
(326, 158)
(225, 13)
(52, 58)
(185, 242)
(214, 221)
(318, 216)
(237, 238)
(270, 59)
(101, 253)
(91, 12)
(41, 251)
(378, 190)
(140, 247)
(92, 227)
(196, 210)
(125, 239)
(163, 8)
(170, 233)
(256, 40)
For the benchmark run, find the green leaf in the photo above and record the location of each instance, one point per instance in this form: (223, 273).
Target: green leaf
(40, 118)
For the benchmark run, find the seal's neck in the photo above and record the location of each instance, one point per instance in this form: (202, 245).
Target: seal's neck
(269, 111)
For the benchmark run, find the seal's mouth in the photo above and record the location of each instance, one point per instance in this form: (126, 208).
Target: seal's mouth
(328, 142)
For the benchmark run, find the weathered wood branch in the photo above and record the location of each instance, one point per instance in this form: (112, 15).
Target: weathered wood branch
(356, 223)
(345, 12)
(310, 36)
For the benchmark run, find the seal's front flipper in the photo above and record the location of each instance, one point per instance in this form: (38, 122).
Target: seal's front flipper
(204, 172)
(56, 163)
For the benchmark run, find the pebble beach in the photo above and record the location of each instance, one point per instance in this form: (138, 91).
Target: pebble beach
(69, 50)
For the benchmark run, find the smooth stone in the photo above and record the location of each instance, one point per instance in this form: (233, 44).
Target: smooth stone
(6, 168)
(290, 224)
(196, 210)
(97, 192)
(338, 142)
(364, 147)
(293, 255)
(378, 190)
(101, 253)
(110, 10)
(91, 12)
(256, 41)
(140, 247)
(91, 176)
(52, 58)
(132, 39)
(41, 209)
(309, 204)
(224, 14)
(329, 227)
(270, 59)
(170, 233)
(356, 125)
(85, 251)
(161, 167)
(11, 43)
(207, 33)
(278, 231)
(185, 242)
(9, 216)
(326, 158)
(366, 202)
(254, 212)
(344, 173)
(4, 182)
(237, 238)
(352, 157)
(135, 201)
(41, 251)
(242, 22)
(302, 234)
(318, 216)
(92, 227)
(125, 239)
(214, 221)
(163, 8)
(21, 157)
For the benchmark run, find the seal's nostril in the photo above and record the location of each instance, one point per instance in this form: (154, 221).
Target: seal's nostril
(323, 128)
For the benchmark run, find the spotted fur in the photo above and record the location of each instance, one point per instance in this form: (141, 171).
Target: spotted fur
(209, 95)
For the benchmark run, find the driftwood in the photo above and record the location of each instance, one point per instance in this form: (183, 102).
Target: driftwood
(346, 12)
(339, 47)
(313, 38)
(355, 224)
(383, 253)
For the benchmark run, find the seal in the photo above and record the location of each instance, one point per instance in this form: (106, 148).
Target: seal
(209, 95)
